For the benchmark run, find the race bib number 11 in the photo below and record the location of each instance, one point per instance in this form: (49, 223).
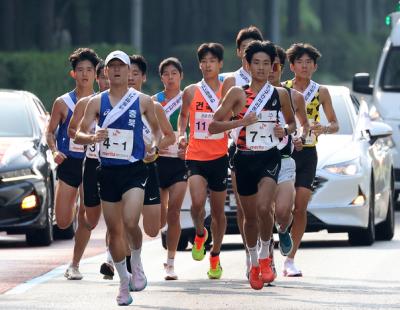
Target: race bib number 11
(201, 122)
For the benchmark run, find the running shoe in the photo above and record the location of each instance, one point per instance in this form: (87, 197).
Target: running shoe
(199, 249)
(255, 279)
(138, 281)
(285, 243)
(72, 273)
(290, 270)
(124, 298)
(170, 273)
(267, 274)
(107, 270)
(215, 271)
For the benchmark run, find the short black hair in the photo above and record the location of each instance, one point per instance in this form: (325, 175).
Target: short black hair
(281, 54)
(297, 50)
(81, 54)
(251, 32)
(216, 49)
(100, 66)
(170, 61)
(254, 47)
(140, 61)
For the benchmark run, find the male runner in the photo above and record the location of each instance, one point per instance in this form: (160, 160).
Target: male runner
(68, 155)
(206, 154)
(255, 109)
(303, 63)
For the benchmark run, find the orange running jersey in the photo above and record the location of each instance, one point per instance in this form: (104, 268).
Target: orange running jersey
(204, 146)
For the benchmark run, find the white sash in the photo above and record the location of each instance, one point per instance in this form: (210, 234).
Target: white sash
(310, 91)
(242, 77)
(68, 101)
(173, 105)
(121, 107)
(208, 95)
(256, 106)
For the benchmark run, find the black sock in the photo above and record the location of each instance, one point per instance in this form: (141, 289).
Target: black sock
(128, 264)
(213, 254)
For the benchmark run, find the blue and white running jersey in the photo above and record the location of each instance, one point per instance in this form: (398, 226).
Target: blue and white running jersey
(125, 143)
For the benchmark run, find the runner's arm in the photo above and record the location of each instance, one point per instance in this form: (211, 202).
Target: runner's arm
(56, 118)
(326, 102)
(147, 106)
(222, 118)
(288, 114)
(77, 116)
(83, 135)
(299, 105)
(228, 83)
(166, 128)
(183, 118)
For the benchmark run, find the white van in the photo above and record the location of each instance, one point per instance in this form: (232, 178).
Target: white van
(386, 89)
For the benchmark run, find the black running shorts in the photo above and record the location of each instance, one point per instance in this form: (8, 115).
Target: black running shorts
(171, 170)
(70, 171)
(306, 166)
(252, 166)
(91, 196)
(214, 171)
(152, 188)
(116, 180)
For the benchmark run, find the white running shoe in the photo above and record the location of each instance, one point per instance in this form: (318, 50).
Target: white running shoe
(290, 270)
(170, 273)
(72, 273)
(139, 280)
(124, 298)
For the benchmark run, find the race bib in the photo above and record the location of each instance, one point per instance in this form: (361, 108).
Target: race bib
(311, 138)
(201, 122)
(172, 150)
(92, 151)
(73, 147)
(118, 145)
(260, 136)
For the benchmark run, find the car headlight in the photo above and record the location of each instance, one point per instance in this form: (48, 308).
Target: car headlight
(351, 167)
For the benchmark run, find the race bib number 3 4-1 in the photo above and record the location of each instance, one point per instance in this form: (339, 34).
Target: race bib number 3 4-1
(260, 136)
(118, 145)
(201, 122)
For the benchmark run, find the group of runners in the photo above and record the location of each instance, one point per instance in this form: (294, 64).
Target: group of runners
(131, 155)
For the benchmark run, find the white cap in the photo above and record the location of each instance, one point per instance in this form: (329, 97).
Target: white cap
(118, 55)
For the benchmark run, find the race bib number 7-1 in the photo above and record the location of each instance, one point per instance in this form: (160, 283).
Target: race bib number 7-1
(260, 136)
(118, 145)
(201, 122)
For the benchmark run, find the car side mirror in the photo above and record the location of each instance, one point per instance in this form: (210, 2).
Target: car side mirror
(379, 130)
(361, 83)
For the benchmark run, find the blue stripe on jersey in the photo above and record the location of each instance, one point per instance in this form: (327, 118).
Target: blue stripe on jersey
(160, 96)
(62, 138)
(122, 122)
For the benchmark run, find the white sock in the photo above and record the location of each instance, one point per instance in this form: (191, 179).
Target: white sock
(109, 257)
(248, 261)
(135, 256)
(264, 249)
(253, 256)
(122, 271)
(170, 262)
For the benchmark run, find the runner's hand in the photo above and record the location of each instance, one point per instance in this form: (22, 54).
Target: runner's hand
(317, 129)
(100, 135)
(249, 119)
(59, 157)
(298, 144)
(279, 131)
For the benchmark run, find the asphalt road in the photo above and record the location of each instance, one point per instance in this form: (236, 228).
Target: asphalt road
(336, 276)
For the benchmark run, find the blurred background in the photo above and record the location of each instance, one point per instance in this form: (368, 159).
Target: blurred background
(37, 36)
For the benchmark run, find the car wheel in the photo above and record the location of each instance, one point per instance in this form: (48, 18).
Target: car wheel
(183, 242)
(43, 236)
(385, 230)
(366, 236)
(64, 234)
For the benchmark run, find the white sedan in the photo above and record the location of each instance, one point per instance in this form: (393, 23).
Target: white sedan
(354, 184)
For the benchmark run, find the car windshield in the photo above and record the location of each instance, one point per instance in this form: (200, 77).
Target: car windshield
(390, 79)
(342, 114)
(14, 118)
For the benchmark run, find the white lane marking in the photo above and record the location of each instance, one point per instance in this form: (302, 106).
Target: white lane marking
(24, 287)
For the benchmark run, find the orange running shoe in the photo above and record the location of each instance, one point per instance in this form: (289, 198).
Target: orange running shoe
(199, 249)
(215, 271)
(255, 279)
(267, 274)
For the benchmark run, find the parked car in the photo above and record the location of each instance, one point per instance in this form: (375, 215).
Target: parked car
(27, 175)
(354, 184)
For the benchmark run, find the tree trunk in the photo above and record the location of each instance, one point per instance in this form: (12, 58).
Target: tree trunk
(293, 14)
(46, 24)
(7, 29)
